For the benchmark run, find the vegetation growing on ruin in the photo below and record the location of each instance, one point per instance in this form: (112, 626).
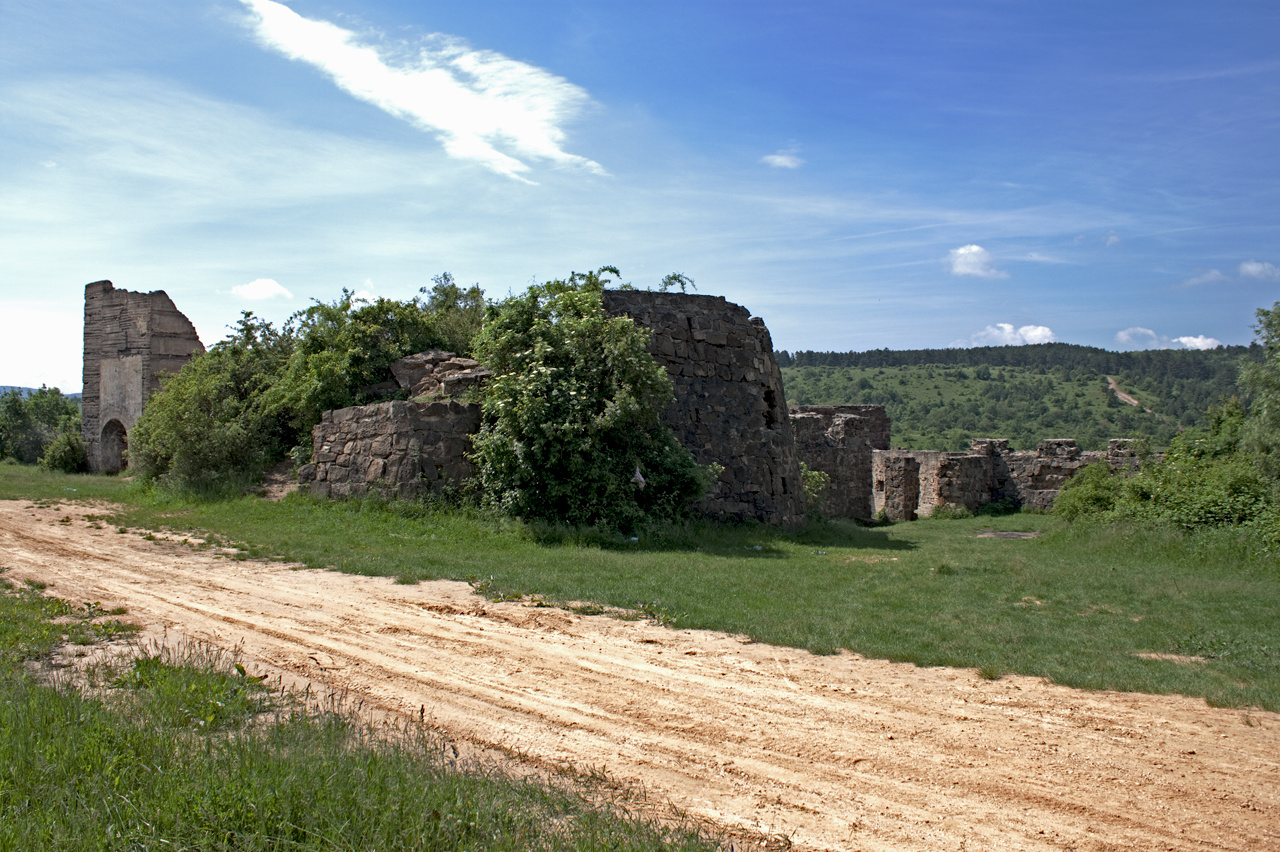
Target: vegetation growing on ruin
(178, 753)
(571, 430)
(940, 399)
(254, 397)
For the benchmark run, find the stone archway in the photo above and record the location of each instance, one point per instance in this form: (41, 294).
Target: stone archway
(114, 448)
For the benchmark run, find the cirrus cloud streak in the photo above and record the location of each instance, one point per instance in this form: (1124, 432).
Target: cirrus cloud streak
(472, 100)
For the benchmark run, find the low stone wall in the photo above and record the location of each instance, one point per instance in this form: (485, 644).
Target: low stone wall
(729, 407)
(838, 440)
(393, 449)
(990, 471)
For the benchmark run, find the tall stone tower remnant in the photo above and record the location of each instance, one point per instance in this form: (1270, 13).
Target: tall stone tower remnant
(130, 339)
(729, 406)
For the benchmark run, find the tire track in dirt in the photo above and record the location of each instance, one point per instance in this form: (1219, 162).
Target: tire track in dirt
(834, 752)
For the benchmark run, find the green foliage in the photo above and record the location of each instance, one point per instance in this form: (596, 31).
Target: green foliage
(1092, 491)
(253, 398)
(29, 424)
(940, 398)
(456, 313)
(1261, 381)
(342, 351)
(195, 687)
(571, 430)
(66, 453)
(208, 428)
(815, 484)
(945, 407)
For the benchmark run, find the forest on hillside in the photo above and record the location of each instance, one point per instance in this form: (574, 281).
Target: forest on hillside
(941, 398)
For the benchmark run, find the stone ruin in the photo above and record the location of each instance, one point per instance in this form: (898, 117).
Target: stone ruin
(130, 340)
(729, 410)
(914, 483)
(400, 449)
(729, 406)
(839, 440)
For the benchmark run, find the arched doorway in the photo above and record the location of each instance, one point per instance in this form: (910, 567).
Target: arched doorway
(114, 448)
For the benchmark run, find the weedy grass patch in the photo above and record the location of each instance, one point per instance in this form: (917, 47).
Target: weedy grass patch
(149, 765)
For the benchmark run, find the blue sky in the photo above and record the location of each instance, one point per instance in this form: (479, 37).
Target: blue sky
(860, 174)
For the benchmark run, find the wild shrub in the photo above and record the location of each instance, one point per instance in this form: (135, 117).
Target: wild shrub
(571, 430)
(207, 428)
(29, 424)
(1092, 491)
(66, 453)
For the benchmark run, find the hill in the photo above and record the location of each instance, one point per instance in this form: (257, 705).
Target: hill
(941, 398)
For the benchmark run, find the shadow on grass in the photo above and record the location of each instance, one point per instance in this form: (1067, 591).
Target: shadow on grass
(726, 539)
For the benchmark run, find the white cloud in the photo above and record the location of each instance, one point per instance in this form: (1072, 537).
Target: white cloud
(1260, 269)
(1198, 342)
(784, 159)
(973, 260)
(1137, 337)
(363, 296)
(1004, 334)
(1211, 276)
(259, 289)
(473, 100)
(1112, 240)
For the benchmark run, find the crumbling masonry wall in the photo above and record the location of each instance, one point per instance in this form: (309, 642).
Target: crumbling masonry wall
(729, 406)
(400, 449)
(130, 340)
(990, 471)
(838, 440)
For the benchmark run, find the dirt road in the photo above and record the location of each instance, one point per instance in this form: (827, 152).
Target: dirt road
(834, 752)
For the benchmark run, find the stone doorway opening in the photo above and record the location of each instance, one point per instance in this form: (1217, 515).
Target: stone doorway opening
(113, 452)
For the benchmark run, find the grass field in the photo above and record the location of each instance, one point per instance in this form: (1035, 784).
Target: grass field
(1077, 605)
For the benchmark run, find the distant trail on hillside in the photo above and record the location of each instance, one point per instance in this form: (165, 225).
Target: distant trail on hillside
(1124, 397)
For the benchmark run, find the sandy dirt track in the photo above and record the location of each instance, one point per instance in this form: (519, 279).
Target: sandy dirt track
(833, 752)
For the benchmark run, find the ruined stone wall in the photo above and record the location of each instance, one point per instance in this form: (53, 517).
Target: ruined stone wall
(401, 449)
(991, 471)
(838, 440)
(897, 484)
(729, 405)
(130, 340)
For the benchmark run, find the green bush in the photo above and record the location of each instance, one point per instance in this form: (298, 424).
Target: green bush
(571, 430)
(66, 453)
(341, 352)
(29, 424)
(207, 428)
(1092, 491)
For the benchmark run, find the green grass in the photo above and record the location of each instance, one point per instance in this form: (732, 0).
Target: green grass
(1076, 605)
(146, 768)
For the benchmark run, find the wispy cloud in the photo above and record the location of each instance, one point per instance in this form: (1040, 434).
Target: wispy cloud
(1004, 334)
(473, 100)
(973, 260)
(260, 289)
(1260, 269)
(1137, 337)
(1209, 276)
(785, 158)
